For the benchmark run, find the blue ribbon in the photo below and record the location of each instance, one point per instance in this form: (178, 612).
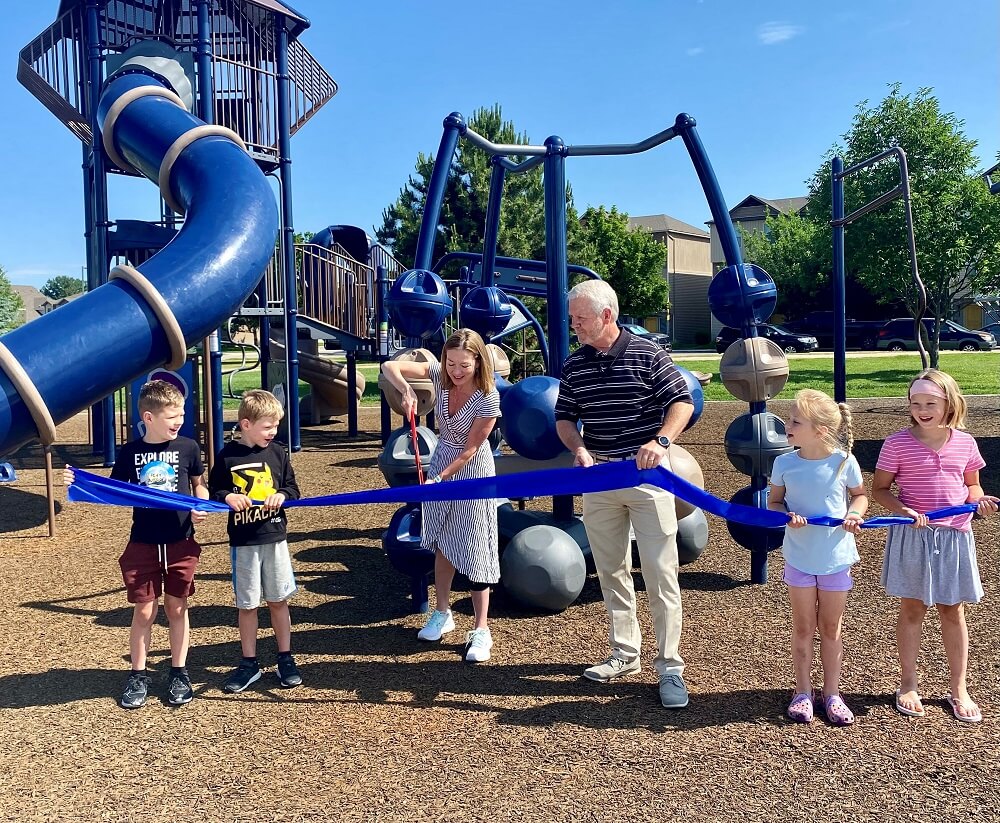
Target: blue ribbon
(92, 488)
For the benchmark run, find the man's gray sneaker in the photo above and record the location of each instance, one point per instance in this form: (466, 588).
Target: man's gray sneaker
(612, 668)
(136, 689)
(673, 692)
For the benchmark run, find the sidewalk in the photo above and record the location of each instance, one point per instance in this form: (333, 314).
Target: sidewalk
(711, 354)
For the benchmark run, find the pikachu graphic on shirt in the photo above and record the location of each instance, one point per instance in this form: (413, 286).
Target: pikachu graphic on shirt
(254, 480)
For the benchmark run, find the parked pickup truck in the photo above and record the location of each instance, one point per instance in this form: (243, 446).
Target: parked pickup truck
(860, 334)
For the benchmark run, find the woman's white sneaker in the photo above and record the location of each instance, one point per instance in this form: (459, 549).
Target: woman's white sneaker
(438, 624)
(478, 643)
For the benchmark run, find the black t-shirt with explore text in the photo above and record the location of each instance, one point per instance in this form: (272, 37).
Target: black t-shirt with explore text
(165, 466)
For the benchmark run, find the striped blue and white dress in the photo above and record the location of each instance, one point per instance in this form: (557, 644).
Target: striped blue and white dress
(464, 531)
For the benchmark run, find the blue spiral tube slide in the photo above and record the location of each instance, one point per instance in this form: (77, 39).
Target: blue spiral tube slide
(144, 317)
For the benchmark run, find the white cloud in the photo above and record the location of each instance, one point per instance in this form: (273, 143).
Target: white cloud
(777, 31)
(695, 51)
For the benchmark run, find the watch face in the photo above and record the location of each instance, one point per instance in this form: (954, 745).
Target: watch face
(663, 441)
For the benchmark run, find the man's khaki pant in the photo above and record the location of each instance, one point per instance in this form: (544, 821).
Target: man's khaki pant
(606, 516)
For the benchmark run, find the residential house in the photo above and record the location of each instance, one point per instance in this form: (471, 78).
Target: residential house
(36, 304)
(980, 310)
(688, 273)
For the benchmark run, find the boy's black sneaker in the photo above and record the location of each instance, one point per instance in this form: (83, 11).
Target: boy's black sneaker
(288, 673)
(136, 690)
(179, 689)
(242, 677)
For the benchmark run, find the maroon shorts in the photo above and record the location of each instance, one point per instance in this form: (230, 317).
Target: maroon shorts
(149, 569)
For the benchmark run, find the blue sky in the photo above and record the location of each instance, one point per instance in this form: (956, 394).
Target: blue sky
(772, 85)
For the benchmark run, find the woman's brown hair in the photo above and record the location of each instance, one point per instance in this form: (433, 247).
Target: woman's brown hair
(470, 341)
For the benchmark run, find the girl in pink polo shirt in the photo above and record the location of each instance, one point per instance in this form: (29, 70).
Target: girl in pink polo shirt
(934, 464)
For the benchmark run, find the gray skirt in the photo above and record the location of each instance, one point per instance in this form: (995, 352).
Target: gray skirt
(936, 565)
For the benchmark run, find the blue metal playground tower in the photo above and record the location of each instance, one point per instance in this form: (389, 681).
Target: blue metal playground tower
(202, 97)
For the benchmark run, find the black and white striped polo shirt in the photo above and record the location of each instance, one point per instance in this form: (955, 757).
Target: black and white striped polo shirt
(621, 396)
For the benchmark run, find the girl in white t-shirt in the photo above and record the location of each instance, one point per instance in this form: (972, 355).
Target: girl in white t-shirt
(821, 477)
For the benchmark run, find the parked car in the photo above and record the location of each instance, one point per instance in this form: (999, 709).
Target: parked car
(897, 335)
(858, 334)
(661, 340)
(787, 340)
(994, 329)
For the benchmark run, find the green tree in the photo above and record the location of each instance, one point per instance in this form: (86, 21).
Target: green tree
(11, 305)
(956, 223)
(62, 286)
(629, 259)
(795, 252)
(463, 212)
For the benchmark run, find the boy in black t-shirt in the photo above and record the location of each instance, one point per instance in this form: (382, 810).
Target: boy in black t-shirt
(161, 555)
(256, 470)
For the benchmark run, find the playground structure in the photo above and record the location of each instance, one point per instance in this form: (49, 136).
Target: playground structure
(753, 368)
(127, 78)
(202, 97)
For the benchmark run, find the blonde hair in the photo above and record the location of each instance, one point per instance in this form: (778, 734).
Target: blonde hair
(156, 395)
(598, 293)
(470, 341)
(257, 404)
(834, 419)
(954, 415)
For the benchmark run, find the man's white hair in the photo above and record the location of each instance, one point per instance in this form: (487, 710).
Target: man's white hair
(598, 294)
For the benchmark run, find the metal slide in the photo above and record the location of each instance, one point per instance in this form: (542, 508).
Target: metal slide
(63, 362)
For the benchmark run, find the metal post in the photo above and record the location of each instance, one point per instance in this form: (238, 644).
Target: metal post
(839, 289)
(350, 282)
(287, 235)
(105, 414)
(382, 315)
(558, 277)
(911, 241)
(212, 344)
(492, 229)
(454, 125)
(352, 393)
(555, 253)
(49, 492)
(685, 126)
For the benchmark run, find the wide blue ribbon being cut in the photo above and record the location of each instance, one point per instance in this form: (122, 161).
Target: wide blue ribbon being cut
(92, 488)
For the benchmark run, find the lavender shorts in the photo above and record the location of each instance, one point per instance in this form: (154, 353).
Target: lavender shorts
(838, 582)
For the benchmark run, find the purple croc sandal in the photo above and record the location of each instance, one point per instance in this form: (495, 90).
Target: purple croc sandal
(836, 711)
(801, 708)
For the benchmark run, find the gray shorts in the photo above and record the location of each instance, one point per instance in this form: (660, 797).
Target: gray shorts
(262, 573)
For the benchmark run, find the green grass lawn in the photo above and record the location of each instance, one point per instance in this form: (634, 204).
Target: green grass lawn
(867, 376)
(875, 376)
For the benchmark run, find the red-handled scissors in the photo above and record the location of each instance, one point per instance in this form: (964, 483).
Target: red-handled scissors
(416, 446)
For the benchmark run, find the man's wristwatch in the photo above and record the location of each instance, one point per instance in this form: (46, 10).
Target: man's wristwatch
(664, 441)
(437, 478)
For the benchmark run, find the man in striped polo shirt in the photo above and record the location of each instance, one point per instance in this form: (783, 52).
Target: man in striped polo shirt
(633, 402)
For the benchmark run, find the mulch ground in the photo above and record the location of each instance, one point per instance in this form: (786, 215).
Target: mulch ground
(388, 729)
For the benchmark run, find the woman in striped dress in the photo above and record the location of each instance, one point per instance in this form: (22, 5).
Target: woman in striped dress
(463, 533)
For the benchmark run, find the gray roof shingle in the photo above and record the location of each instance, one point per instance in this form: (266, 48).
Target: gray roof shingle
(665, 223)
